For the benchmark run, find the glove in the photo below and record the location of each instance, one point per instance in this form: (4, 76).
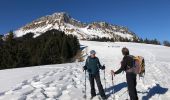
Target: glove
(112, 73)
(84, 68)
(103, 67)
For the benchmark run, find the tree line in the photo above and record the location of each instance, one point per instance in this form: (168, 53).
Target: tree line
(166, 43)
(135, 39)
(52, 47)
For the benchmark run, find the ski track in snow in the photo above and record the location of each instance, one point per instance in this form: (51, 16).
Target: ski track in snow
(67, 82)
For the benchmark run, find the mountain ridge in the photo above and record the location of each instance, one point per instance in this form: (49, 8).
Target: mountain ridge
(64, 22)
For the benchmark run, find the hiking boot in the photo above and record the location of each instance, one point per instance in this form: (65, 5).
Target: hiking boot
(92, 97)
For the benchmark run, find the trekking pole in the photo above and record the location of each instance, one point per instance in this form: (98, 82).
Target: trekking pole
(113, 88)
(104, 80)
(127, 95)
(85, 86)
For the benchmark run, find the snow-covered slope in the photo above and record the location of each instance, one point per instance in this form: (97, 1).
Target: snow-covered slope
(66, 81)
(62, 21)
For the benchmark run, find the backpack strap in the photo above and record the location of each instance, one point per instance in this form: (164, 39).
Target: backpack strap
(131, 56)
(131, 68)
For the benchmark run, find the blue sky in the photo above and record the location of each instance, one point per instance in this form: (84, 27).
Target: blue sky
(147, 18)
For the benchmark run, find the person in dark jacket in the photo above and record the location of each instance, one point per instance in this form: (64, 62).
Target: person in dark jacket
(130, 76)
(93, 66)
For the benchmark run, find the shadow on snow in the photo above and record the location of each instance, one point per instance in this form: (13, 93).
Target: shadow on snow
(116, 88)
(153, 91)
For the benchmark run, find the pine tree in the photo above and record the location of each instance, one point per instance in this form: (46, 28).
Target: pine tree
(23, 57)
(146, 41)
(141, 40)
(51, 47)
(10, 36)
(1, 36)
(135, 39)
(166, 43)
(1, 40)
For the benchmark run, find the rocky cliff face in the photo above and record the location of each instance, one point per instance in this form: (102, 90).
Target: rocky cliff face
(64, 22)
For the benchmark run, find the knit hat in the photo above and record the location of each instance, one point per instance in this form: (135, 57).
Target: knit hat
(92, 52)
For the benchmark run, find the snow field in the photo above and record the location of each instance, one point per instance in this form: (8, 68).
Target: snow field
(66, 81)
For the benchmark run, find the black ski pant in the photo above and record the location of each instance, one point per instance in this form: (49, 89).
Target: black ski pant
(131, 82)
(96, 77)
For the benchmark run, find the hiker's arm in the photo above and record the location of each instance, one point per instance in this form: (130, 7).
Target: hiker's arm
(123, 65)
(119, 70)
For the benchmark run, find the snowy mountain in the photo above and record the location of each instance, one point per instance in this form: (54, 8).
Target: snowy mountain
(64, 22)
(66, 81)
